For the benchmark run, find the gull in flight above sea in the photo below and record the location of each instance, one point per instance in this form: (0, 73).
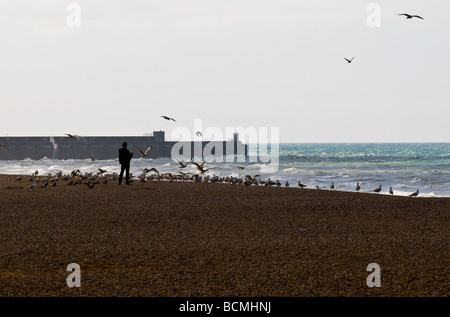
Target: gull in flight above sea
(3, 145)
(146, 170)
(168, 118)
(410, 16)
(146, 151)
(200, 167)
(183, 165)
(71, 135)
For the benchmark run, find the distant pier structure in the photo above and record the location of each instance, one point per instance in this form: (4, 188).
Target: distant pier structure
(106, 147)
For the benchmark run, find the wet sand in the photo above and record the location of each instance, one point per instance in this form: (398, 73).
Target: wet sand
(201, 239)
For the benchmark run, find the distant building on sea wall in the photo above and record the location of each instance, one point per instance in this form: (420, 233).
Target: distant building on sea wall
(106, 147)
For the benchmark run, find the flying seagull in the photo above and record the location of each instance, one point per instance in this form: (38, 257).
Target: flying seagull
(3, 145)
(242, 167)
(71, 135)
(146, 151)
(199, 133)
(200, 167)
(92, 159)
(409, 16)
(146, 170)
(183, 165)
(168, 118)
(349, 60)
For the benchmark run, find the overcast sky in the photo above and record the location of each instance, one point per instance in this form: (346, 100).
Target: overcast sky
(231, 63)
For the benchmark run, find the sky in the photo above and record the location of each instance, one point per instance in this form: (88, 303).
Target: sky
(229, 63)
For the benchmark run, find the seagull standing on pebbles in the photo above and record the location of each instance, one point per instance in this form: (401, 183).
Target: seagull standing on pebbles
(414, 194)
(378, 189)
(357, 186)
(391, 191)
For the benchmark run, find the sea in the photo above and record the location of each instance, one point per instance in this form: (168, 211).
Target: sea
(406, 167)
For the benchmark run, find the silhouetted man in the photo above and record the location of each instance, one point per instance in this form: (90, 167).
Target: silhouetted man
(124, 160)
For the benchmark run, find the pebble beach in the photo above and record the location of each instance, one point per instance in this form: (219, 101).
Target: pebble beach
(188, 239)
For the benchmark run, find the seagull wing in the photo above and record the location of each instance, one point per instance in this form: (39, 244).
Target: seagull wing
(140, 151)
(148, 149)
(418, 16)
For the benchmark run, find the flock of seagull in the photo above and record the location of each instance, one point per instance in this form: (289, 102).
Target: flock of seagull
(76, 177)
(102, 176)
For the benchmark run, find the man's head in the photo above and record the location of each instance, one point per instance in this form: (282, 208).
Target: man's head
(124, 144)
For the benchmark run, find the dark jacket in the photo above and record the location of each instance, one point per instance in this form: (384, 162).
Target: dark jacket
(124, 156)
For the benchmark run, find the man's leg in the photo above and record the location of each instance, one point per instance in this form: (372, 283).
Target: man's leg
(122, 168)
(127, 175)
